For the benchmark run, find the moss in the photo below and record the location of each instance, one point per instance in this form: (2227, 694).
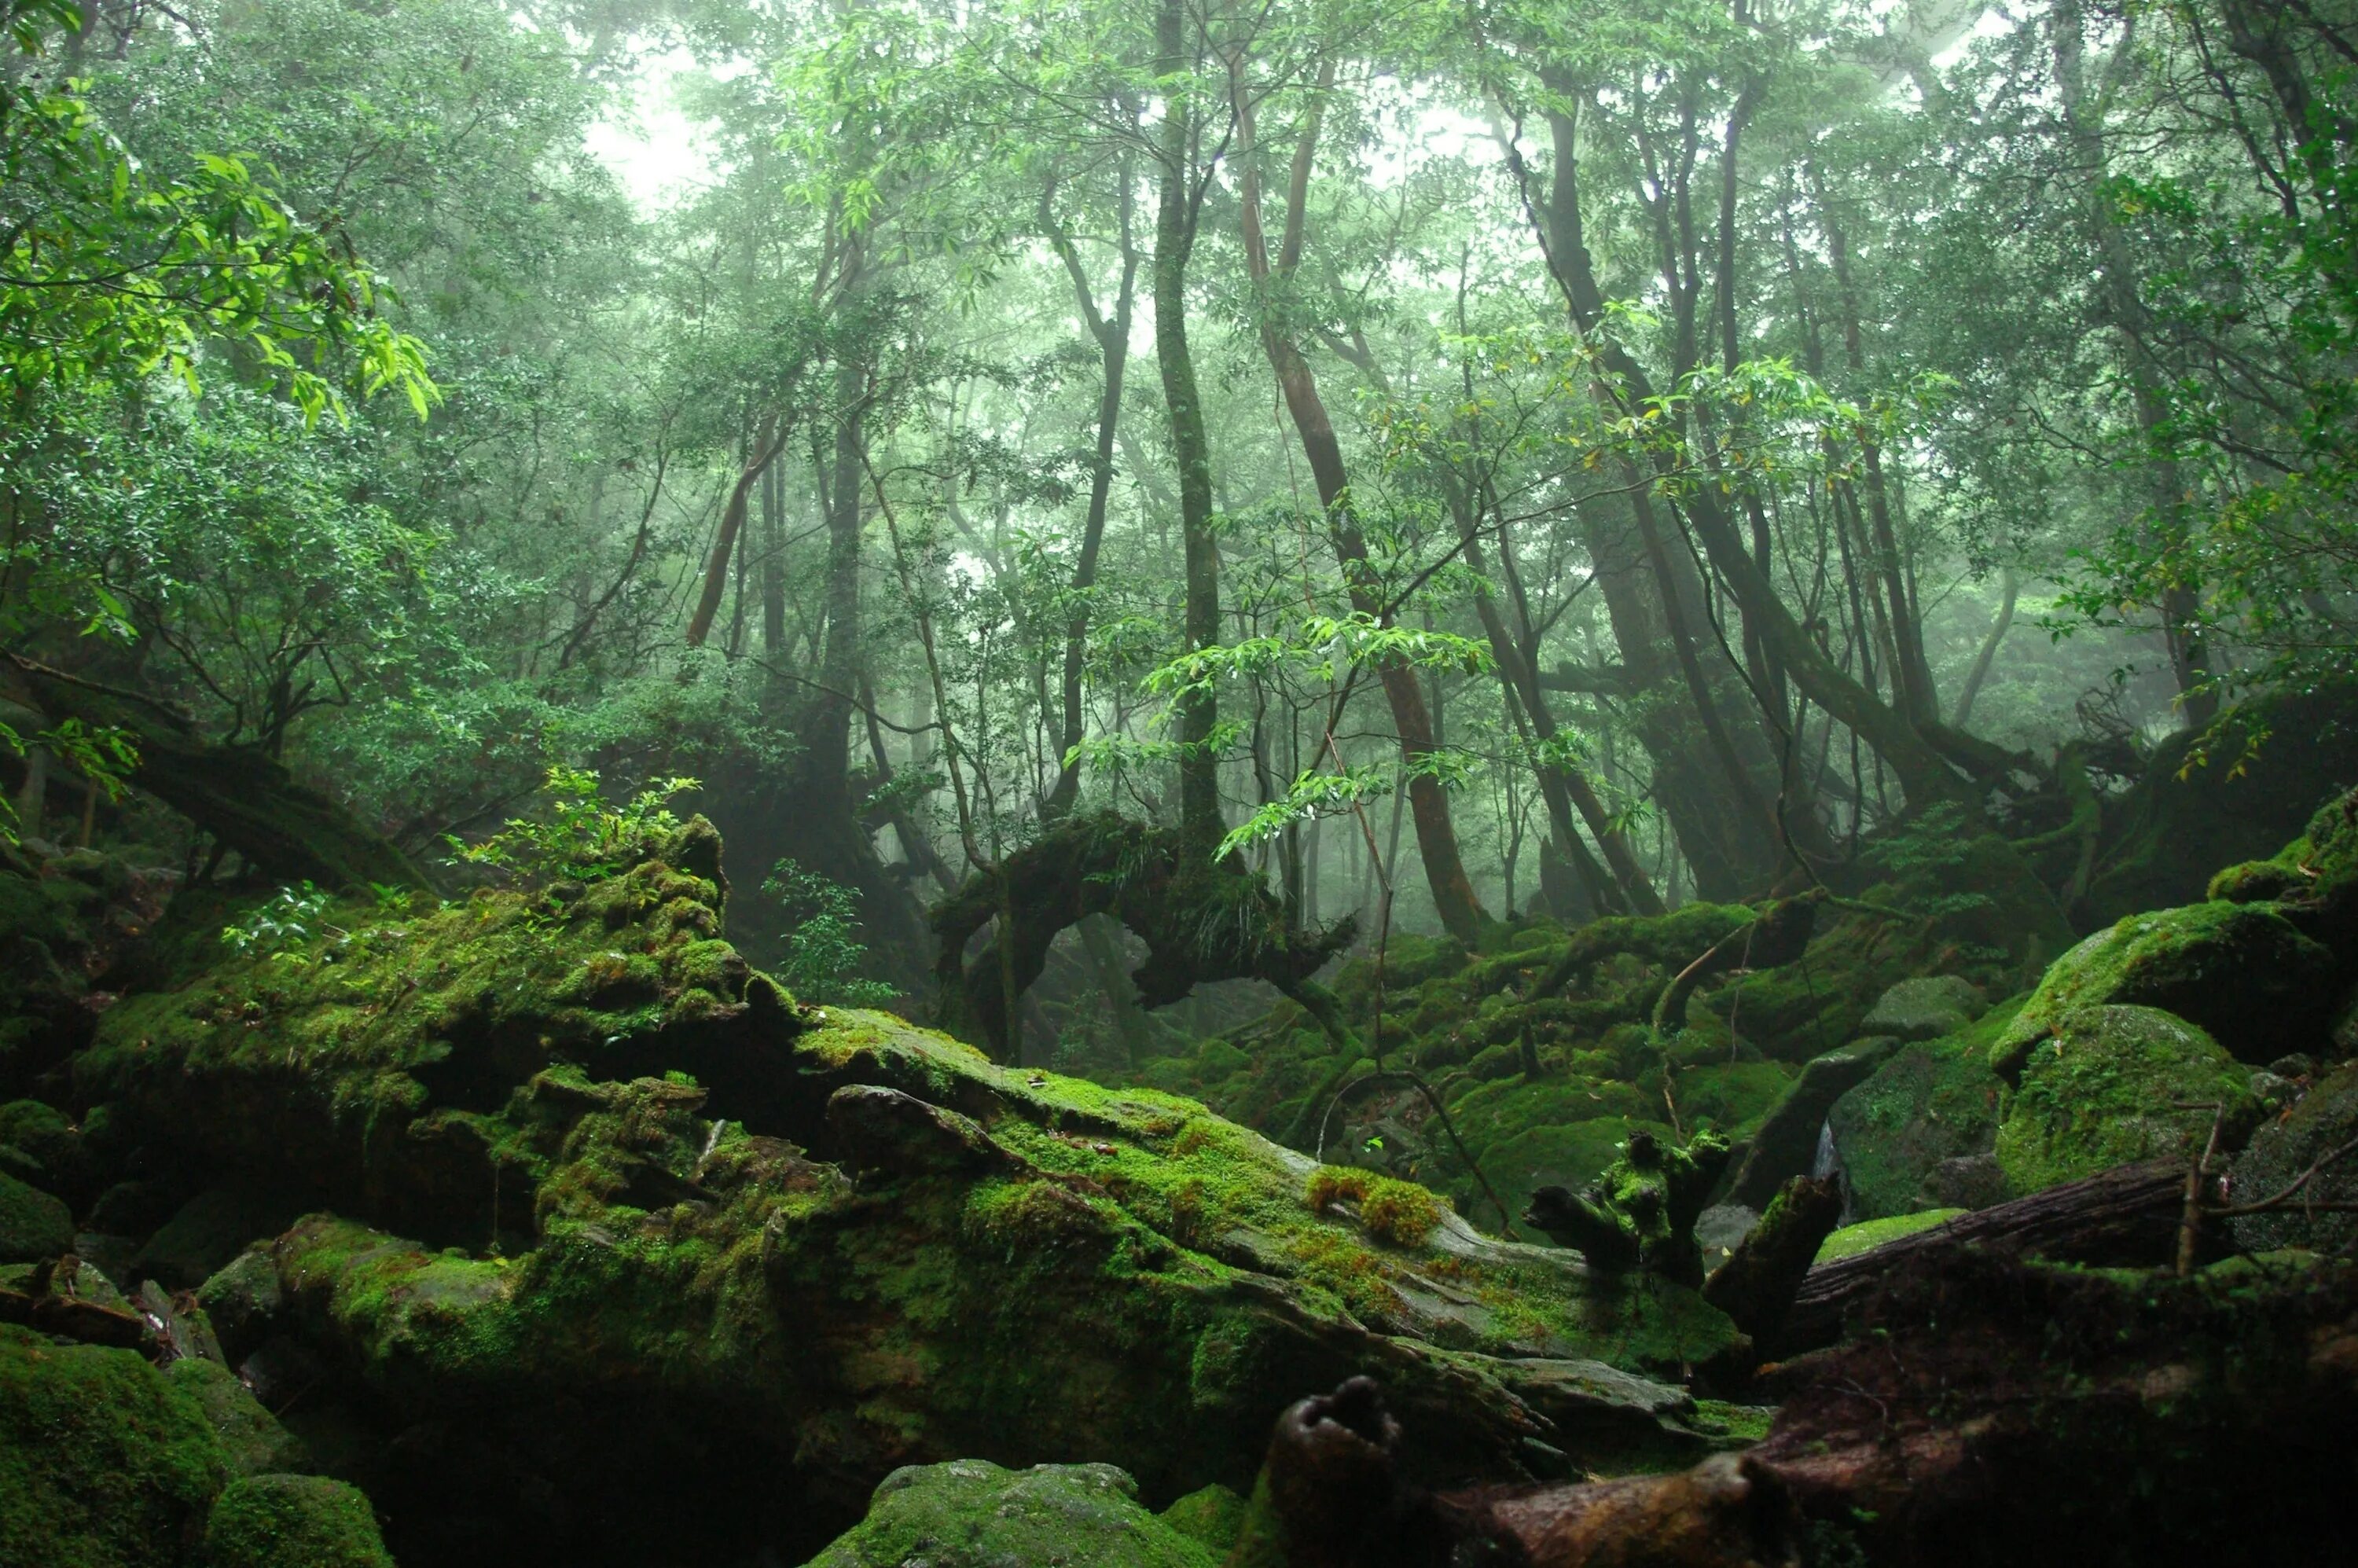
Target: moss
(1400, 1213)
(971, 1514)
(33, 1224)
(1930, 1104)
(2242, 972)
(1869, 1234)
(2325, 1119)
(292, 1521)
(252, 1442)
(1212, 1516)
(2117, 1084)
(103, 1462)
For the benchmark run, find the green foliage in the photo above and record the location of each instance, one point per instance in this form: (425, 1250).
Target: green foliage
(288, 919)
(582, 837)
(824, 953)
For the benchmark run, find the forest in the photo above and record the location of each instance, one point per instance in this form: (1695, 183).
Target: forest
(1284, 784)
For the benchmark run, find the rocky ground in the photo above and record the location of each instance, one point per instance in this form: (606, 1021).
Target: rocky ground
(537, 1227)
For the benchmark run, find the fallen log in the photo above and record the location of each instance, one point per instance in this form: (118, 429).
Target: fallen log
(2127, 1215)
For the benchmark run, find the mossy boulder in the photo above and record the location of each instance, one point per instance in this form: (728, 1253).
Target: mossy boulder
(33, 1224)
(1785, 1144)
(101, 1461)
(969, 1513)
(292, 1521)
(2325, 1119)
(2244, 973)
(1904, 1137)
(1925, 1008)
(2117, 1084)
(107, 1463)
(648, 1245)
(51, 1147)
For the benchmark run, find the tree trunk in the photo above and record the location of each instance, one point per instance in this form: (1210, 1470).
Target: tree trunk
(1436, 836)
(1178, 207)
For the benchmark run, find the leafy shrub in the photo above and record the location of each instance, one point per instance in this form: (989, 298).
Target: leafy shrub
(824, 953)
(582, 837)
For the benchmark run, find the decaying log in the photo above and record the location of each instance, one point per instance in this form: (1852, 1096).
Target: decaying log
(2127, 1215)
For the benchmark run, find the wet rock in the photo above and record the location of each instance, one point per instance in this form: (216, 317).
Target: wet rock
(292, 1521)
(243, 1301)
(2245, 973)
(1967, 1182)
(1787, 1142)
(2115, 1085)
(1929, 1104)
(2325, 1120)
(1720, 1228)
(207, 1232)
(971, 1514)
(1925, 1008)
(33, 1224)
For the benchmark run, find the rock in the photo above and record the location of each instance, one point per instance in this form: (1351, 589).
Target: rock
(2115, 1086)
(884, 1130)
(53, 1144)
(2245, 973)
(252, 1442)
(242, 1302)
(33, 1224)
(969, 1513)
(2325, 1119)
(207, 1232)
(1930, 1104)
(1787, 1142)
(1720, 1228)
(1967, 1182)
(103, 1461)
(1212, 1516)
(292, 1521)
(131, 1208)
(1925, 1008)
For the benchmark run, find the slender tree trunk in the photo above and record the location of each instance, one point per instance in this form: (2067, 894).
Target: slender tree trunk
(1444, 867)
(764, 448)
(1178, 207)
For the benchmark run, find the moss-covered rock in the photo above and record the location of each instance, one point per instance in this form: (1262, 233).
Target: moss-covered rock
(33, 1224)
(2244, 972)
(105, 1463)
(292, 1521)
(1869, 1234)
(2325, 1119)
(1925, 1008)
(969, 1513)
(1903, 1137)
(52, 1147)
(651, 1241)
(2117, 1084)
(251, 1440)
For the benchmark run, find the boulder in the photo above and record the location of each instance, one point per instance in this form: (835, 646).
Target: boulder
(33, 1224)
(613, 1240)
(1925, 1008)
(1894, 1136)
(104, 1462)
(2114, 1085)
(207, 1232)
(2242, 972)
(969, 1513)
(292, 1521)
(2325, 1120)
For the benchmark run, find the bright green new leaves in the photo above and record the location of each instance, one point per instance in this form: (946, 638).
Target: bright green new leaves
(113, 274)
